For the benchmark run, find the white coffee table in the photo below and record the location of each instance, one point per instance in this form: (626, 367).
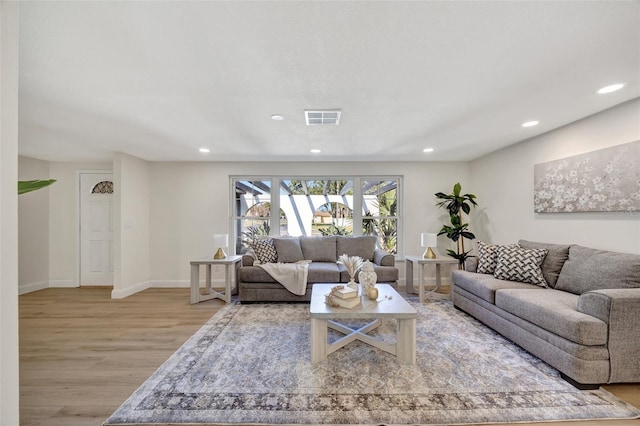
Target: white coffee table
(324, 316)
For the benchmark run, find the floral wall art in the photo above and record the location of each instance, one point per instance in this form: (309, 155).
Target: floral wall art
(607, 180)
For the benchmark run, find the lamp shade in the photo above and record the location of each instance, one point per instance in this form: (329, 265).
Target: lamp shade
(220, 240)
(428, 239)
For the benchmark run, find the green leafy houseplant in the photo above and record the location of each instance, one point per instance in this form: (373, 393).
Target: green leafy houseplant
(25, 186)
(456, 204)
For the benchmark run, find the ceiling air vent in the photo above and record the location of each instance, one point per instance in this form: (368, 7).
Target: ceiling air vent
(318, 117)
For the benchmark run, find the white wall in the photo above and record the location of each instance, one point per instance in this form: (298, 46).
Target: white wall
(503, 182)
(190, 201)
(9, 392)
(33, 228)
(63, 221)
(168, 211)
(131, 214)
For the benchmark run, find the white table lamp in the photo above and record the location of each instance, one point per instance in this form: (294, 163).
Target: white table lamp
(220, 241)
(429, 240)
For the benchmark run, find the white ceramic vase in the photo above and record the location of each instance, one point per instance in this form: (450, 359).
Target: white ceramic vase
(367, 277)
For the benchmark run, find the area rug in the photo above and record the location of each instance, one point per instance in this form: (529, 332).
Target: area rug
(252, 364)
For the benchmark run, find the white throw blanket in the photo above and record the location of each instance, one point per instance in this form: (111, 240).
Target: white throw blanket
(293, 276)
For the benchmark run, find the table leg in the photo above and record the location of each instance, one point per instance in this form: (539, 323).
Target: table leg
(409, 276)
(208, 278)
(195, 284)
(234, 282)
(421, 282)
(435, 290)
(406, 348)
(318, 340)
(227, 282)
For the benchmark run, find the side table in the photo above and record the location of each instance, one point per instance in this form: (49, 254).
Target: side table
(229, 267)
(422, 263)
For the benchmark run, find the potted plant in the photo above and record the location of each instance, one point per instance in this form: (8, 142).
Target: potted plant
(457, 204)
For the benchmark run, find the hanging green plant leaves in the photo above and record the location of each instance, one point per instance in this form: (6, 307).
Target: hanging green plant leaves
(25, 186)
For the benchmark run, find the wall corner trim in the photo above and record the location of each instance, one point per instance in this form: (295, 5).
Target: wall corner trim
(136, 288)
(31, 287)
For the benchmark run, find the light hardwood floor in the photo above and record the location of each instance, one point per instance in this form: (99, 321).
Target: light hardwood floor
(82, 354)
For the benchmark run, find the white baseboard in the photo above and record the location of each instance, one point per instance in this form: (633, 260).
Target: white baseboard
(30, 287)
(63, 283)
(181, 283)
(169, 283)
(126, 292)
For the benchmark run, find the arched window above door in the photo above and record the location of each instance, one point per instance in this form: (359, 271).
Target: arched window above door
(104, 187)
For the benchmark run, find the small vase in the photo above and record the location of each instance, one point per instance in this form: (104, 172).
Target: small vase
(352, 284)
(367, 277)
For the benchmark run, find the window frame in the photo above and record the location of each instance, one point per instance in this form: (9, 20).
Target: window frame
(275, 195)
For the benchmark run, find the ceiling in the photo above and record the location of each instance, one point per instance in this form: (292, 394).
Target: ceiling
(161, 79)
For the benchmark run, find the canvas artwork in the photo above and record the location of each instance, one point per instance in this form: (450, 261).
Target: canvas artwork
(607, 180)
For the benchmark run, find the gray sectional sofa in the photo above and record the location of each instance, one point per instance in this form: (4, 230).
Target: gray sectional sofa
(585, 323)
(256, 285)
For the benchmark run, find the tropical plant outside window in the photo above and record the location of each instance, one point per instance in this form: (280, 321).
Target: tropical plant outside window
(380, 211)
(333, 219)
(317, 206)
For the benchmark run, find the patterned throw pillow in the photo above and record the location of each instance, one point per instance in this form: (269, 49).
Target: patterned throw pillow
(265, 251)
(487, 258)
(519, 264)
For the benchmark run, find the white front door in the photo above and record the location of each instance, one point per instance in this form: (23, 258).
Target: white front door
(96, 229)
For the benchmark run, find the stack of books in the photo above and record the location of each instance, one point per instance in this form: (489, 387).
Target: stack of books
(345, 297)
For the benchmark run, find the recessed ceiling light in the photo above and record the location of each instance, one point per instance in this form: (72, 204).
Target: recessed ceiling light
(611, 88)
(277, 117)
(427, 150)
(204, 150)
(530, 123)
(316, 151)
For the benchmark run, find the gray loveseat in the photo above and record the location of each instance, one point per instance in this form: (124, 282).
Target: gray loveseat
(586, 323)
(256, 285)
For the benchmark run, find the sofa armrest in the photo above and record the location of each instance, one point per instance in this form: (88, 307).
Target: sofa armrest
(471, 264)
(247, 260)
(620, 309)
(383, 258)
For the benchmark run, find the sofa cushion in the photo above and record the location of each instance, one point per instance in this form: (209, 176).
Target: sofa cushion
(592, 269)
(356, 246)
(265, 251)
(318, 272)
(288, 249)
(254, 274)
(319, 249)
(553, 261)
(487, 257)
(519, 264)
(484, 286)
(384, 274)
(323, 272)
(555, 311)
